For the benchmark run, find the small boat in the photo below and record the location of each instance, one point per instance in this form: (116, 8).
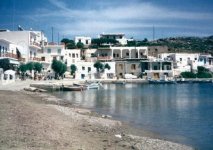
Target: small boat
(94, 85)
(73, 88)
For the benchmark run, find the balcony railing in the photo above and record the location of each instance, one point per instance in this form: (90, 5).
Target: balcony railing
(35, 58)
(11, 55)
(104, 58)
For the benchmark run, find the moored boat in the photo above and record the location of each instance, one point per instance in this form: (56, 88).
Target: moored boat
(72, 88)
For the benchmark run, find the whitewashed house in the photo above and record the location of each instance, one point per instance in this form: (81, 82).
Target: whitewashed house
(206, 61)
(28, 40)
(10, 51)
(83, 39)
(86, 70)
(72, 56)
(49, 53)
(120, 37)
(182, 61)
(157, 69)
(119, 53)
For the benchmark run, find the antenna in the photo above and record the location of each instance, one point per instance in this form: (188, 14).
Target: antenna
(13, 14)
(58, 38)
(52, 34)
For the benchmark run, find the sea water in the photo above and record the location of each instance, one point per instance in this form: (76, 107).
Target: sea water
(178, 112)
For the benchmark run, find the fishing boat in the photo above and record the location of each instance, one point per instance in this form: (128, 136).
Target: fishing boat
(73, 88)
(93, 85)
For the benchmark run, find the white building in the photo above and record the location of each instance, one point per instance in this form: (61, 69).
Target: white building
(206, 61)
(119, 53)
(157, 69)
(72, 56)
(83, 39)
(51, 52)
(10, 51)
(120, 37)
(28, 40)
(182, 61)
(86, 70)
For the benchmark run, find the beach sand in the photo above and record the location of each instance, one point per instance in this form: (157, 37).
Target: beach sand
(40, 121)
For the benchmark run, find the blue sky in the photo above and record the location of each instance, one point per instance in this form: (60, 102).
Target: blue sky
(135, 18)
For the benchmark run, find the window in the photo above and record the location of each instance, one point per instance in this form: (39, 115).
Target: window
(195, 58)
(180, 59)
(69, 55)
(76, 55)
(117, 55)
(34, 54)
(62, 57)
(83, 68)
(87, 42)
(59, 51)
(127, 54)
(79, 40)
(89, 69)
(113, 54)
(121, 37)
(156, 49)
(73, 55)
(54, 58)
(133, 66)
(121, 66)
(42, 58)
(48, 50)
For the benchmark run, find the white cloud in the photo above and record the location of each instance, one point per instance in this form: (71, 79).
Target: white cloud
(111, 18)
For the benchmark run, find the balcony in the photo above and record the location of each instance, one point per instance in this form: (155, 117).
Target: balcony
(35, 59)
(35, 45)
(14, 56)
(104, 57)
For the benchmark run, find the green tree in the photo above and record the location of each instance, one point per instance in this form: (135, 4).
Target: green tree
(107, 66)
(38, 67)
(73, 69)
(59, 68)
(203, 72)
(188, 75)
(65, 41)
(5, 64)
(22, 68)
(99, 66)
(80, 45)
(63, 70)
(30, 66)
(70, 44)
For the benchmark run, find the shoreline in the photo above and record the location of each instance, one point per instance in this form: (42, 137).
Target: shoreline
(106, 132)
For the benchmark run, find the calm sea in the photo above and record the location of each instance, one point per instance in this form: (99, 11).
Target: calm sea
(178, 112)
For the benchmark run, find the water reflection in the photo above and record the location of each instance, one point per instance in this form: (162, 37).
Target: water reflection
(179, 112)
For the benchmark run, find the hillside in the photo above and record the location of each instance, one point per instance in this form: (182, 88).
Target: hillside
(189, 43)
(182, 44)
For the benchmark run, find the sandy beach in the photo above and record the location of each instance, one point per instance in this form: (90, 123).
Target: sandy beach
(31, 120)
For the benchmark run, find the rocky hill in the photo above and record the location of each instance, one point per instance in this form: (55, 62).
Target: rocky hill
(190, 44)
